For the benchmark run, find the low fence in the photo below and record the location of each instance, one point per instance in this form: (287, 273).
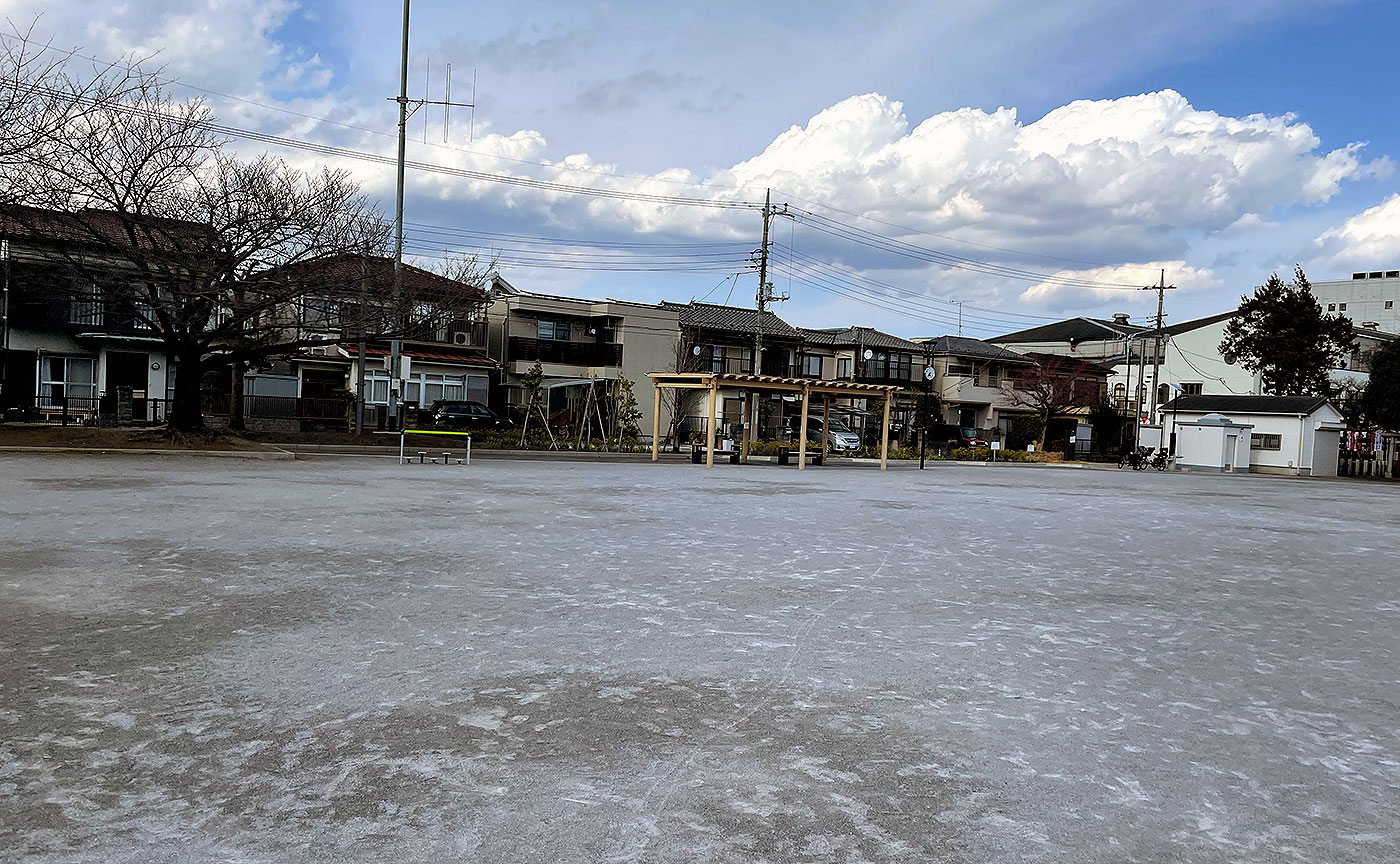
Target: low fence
(260, 413)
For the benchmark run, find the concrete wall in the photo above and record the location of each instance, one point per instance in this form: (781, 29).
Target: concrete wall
(1365, 300)
(1206, 448)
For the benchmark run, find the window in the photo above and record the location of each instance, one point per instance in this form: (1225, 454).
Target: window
(1120, 391)
(843, 367)
(1191, 389)
(1390, 304)
(67, 377)
(1266, 442)
(812, 365)
(992, 376)
(1341, 307)
(558, 330)
(86, 308)
(1164, 394)
(890, 366)
(1331, 307)
(377, 387)
(316, 314)
(960, 370)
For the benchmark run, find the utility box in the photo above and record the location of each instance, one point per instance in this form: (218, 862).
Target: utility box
(1213, 444)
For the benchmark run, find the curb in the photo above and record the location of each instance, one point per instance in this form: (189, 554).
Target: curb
(273, 456)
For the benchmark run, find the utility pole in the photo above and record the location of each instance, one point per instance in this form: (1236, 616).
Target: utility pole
(1161, 288)
(765, 293)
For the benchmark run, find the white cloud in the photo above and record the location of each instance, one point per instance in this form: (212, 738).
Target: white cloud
(1185, 278)
(1367, 240)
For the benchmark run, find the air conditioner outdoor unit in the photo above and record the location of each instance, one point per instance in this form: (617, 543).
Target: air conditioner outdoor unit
(461, 338)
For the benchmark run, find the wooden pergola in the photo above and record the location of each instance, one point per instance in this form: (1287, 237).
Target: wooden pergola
(754, 384)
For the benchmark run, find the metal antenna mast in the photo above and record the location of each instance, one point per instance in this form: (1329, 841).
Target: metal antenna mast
(395, 348)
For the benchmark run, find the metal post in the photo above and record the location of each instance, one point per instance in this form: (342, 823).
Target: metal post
(885, 433)
(401, 437)
(655, 423)
(710, 434)
(469, 449)
(398, 224)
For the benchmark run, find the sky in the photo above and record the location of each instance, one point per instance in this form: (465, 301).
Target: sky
(944, 165)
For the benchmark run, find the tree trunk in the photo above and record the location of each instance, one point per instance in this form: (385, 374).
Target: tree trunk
(187, 410)
(235, 405)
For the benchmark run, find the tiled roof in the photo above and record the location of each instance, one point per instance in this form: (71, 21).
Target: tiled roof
(1071, 330)
(865, 336)
(710, 316)
(1231, 404)
(1195, 324)
(105, 228)
(377, 271)
(966, 346)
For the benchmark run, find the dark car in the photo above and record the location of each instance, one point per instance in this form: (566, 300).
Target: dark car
(454, 414)
(956, 436)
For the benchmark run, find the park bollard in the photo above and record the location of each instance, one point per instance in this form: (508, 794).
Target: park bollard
(469, 449)
(447, 458)
(422, 457)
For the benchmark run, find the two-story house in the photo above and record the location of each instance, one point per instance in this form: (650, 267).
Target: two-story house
(579, 344)
(868, 356)
(69, 340)
(969, 379)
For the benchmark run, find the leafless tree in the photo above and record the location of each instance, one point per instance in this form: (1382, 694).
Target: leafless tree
(1047, 388)
(42, 91)
(222, 258)
(675, 400)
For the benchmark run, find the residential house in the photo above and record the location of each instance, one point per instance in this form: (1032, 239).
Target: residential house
(579, 344)
(715, 338)
(868, 356)
(969, 378)
(443, 350)
(70, 341)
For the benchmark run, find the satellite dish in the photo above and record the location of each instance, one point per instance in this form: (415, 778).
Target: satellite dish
(868, 354)
(695, 350)
(928, 373)
(1229, 359)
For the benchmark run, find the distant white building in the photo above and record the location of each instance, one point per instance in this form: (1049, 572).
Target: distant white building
(1286, 434)
(1370, 298)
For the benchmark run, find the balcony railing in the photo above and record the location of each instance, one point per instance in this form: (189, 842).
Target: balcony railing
(571, 353)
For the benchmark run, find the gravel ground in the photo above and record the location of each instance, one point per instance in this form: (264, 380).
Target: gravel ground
(350, 661)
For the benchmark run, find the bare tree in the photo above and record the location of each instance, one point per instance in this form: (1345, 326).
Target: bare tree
(676, 400)
(41, 94)
(1047, 388)
(226, 260)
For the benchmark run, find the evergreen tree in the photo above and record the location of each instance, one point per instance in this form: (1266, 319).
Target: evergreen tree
(1282, 335)
(1381, 400)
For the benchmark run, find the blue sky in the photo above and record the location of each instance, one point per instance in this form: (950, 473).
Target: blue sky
(1220, 141)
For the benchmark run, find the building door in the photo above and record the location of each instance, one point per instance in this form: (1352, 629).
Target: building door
(968, 417)
(127, 369)
(1231, 443)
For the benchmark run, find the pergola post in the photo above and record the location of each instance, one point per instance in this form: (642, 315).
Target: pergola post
(656, 422)
(885, 433)
(802, 439)
(710, 435)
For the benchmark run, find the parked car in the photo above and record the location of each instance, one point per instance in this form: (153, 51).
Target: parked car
(839, 438)
(455, 414)
(955, 436)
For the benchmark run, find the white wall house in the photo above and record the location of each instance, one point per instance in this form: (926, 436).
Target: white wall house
(1287, 434)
